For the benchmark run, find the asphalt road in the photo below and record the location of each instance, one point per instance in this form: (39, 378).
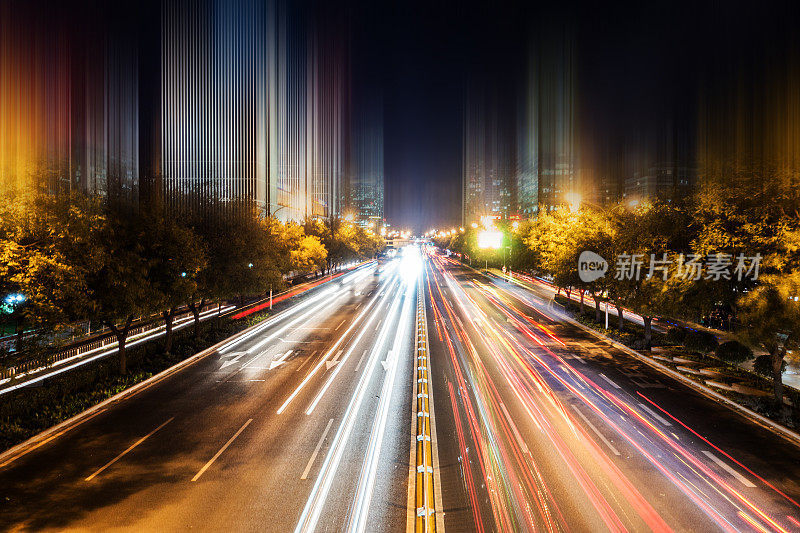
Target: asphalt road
(542, 426)
(303, 425)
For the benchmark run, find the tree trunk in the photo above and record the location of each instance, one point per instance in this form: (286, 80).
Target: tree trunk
(122, 335)
(648, 331)
(195, 309)
(598, 313)
(582, 291)
(777, 376)
(18, 345)
(168, 316)
(620, 318)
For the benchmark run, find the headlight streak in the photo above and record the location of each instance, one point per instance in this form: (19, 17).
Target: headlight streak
(344, 358)
(498, 493)
(302, 318)
(322, 361)
(270, 322)
(698, 467)
(366, 481)
(319, 493)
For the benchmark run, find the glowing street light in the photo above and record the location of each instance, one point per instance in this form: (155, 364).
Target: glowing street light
(574, 200)
(490, 239)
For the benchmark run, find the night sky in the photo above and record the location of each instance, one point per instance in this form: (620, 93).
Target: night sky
(640, 67)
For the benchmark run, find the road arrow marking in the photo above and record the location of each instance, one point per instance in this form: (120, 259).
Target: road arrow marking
(280, 360)
(333, 362)
(235, 360)
(388, 360)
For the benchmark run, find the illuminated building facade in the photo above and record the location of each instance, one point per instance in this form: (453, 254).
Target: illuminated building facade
(365, 186)
(69, 99)
(255, 106)
(196, 102)
(488, 157)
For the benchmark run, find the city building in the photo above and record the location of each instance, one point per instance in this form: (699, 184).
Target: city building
(489, 159)
(69, 98)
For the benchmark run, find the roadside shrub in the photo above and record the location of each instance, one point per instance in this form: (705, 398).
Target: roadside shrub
(763, 365)
(734, 352)
(700, 341)
(676, 335)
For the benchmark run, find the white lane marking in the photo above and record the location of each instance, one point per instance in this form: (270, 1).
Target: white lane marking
(597, 432)
(359, 305)
(340, 325)
(319, 365)
(609, 381)
(388, 360)
(519, 438)
(378, 324)
(316, 450)
(654, 415)
(722, 464)
(279, 361)
(308, 360)
(216, 455)
(332, 362)
(360, 361)
(132, 446)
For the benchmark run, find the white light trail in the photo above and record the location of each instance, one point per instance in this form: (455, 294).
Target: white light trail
(323, 360)
(316, 501)
(336, 370)
(366, 482)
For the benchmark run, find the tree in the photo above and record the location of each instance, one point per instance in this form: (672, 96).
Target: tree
(49, 249)
(119, 288)
(175, 256)
(645, 239)
(243, 256)
(771, 320)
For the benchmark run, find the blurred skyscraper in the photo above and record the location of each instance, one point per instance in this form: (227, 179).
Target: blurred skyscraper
(69, 100)
(488, 155)
(198, 102)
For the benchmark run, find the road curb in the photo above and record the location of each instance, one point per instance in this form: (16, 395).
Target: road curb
(15, 452)
(783, 432)
(766, 423)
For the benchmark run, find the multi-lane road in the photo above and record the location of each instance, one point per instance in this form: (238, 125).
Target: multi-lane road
(305, 422)
(543, 426)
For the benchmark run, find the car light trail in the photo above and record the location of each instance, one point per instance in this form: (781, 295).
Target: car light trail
(366, 482)
(319, 493)
(605, 404)
(323, 360)
(282, 316)
(339, 366)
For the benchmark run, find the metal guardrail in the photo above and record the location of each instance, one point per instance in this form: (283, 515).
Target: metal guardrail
(107, 339)
(88, 347)
(425, 501)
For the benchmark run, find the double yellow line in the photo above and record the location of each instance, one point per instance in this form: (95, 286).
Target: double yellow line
(425, 501)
